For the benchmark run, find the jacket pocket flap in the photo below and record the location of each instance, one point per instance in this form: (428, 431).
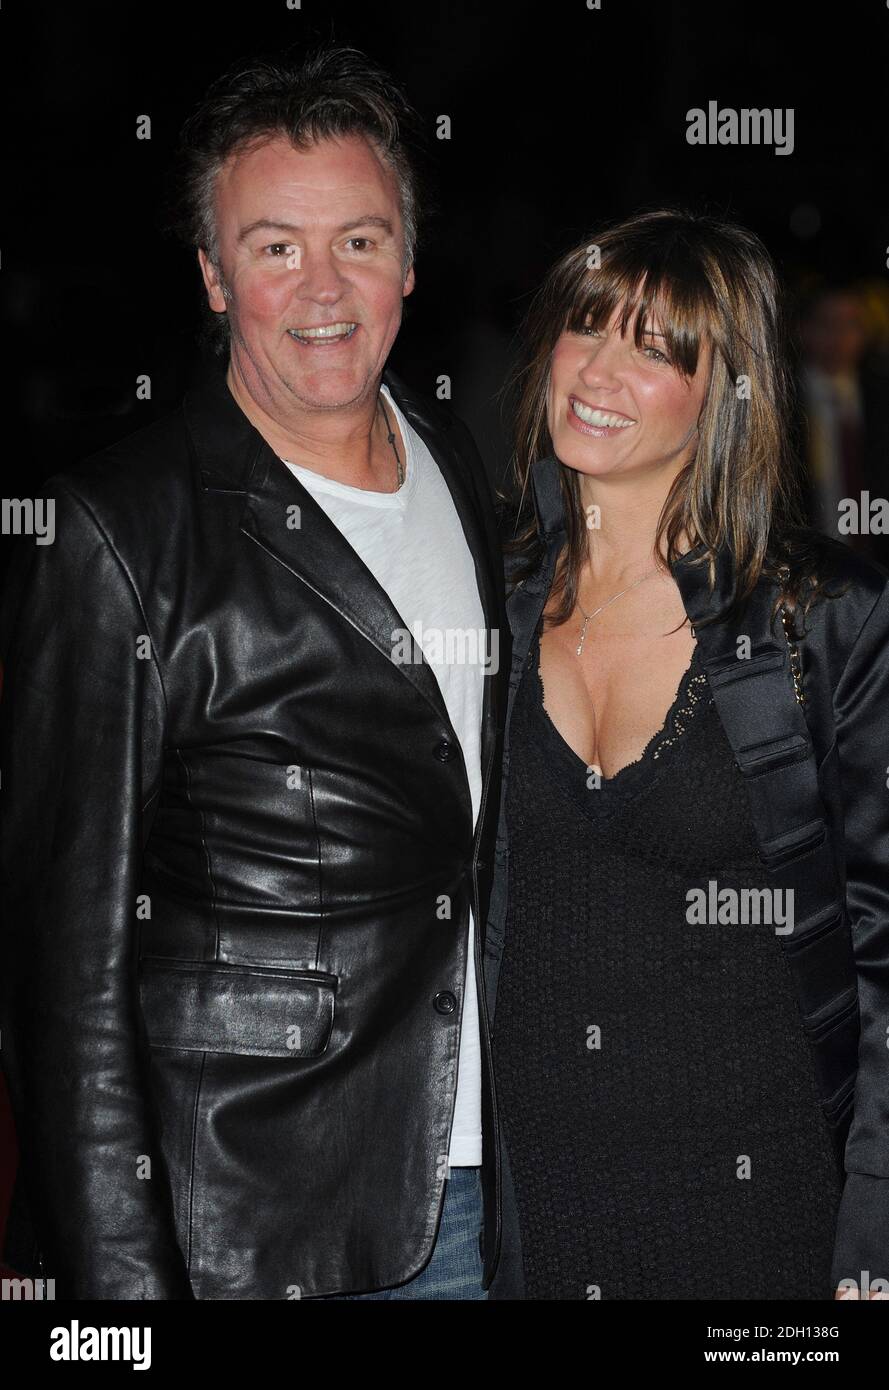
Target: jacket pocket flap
(198, 1006)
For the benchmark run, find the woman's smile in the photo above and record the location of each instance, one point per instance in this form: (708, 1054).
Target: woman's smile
(596, 420)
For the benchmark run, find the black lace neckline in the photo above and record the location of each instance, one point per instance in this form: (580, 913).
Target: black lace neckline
(627, 781)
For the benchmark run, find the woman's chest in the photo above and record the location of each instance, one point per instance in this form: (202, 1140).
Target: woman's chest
(612, 698)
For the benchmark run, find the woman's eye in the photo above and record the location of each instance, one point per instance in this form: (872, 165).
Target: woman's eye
(658, 355)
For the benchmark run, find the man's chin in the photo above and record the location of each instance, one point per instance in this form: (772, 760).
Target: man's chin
(332, 390)
(311, 386)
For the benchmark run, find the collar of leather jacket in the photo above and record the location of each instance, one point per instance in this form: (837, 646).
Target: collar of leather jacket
(232, 453)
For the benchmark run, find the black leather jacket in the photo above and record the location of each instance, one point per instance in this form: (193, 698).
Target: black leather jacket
(817, 774)
(230, 1009)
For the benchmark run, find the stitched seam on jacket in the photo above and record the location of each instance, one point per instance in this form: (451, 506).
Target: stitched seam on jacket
(320, 883)
(191, 1161)
(132, 584)
(118, 558)
(211, 881)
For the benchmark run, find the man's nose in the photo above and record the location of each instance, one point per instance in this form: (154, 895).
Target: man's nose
(319, 278)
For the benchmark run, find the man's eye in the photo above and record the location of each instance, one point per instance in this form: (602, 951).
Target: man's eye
(280, 248)
(359, 243)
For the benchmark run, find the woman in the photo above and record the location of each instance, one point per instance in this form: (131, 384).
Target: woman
(688, 958)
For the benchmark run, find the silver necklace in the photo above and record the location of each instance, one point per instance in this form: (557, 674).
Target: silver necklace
(392, 442)
(587, 617)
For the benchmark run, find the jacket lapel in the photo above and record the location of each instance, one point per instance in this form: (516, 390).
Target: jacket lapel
(546, 490)
(284, 519)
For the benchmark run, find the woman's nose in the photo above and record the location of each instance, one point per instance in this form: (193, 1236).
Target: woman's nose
(602, 362)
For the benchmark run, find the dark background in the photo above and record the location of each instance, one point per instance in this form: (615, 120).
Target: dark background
(561, 116)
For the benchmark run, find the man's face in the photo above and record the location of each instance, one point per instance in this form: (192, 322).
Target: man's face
(307, 240)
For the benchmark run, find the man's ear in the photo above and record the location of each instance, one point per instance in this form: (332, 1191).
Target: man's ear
(409, 280)
(212, 282)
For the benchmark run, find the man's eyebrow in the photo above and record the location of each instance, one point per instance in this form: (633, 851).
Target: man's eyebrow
(370, 219)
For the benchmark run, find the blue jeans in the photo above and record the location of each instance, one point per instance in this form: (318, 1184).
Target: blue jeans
(455, 1269)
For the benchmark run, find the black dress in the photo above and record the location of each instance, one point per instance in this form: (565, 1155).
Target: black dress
(657, 1090)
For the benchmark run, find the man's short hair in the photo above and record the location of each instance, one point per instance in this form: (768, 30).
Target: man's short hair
(331, 92)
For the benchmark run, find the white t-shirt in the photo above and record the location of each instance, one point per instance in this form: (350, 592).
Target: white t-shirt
(413, 544)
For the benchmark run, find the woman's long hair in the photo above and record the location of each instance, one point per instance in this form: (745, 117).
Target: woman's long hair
(707, 280)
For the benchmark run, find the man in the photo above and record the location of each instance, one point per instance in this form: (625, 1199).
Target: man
(251, 729)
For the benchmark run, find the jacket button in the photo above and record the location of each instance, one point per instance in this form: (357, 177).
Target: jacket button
(445, 1002)
(444, 751)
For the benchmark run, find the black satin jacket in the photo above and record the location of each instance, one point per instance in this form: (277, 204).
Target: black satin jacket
(230, 1007)
(817, 774)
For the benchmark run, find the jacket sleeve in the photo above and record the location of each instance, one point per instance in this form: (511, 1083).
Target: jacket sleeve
(81, 738)
(861, 706)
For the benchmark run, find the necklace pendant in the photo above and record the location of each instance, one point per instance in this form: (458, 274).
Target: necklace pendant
(582, 635)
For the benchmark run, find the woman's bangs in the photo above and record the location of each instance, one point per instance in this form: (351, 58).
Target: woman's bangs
(653, 300)
(592, 300)
(680, 306)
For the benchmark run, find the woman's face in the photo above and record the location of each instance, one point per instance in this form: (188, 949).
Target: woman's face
(615, 408)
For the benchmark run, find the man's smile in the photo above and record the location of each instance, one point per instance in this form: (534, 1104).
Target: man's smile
(324, 335)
